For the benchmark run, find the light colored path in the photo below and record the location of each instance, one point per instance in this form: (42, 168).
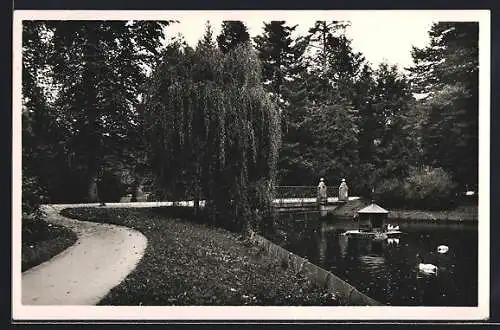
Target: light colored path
(190, 203)
(85, 272)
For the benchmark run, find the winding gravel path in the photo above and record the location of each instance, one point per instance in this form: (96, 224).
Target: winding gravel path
(85, 272)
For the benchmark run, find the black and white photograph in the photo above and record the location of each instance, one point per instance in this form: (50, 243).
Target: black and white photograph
(251, 165)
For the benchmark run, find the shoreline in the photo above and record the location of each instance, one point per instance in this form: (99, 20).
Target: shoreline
(452, 216)
(461, 214)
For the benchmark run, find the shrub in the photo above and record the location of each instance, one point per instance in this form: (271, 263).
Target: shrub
(33, 195)
(391, 192)
(424, 188)
(430, 188)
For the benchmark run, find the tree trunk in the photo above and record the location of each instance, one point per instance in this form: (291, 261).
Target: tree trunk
(247, 231)
(197, 191)
(92, 192)
(196, 206)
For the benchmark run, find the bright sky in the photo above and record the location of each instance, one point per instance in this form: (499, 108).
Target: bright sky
(379, 35)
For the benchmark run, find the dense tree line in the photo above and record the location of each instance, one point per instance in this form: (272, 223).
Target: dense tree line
(246, 114)
(81, 83)
(344, 118)
(446, 73)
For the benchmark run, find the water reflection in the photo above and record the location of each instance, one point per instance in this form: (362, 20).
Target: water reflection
(393, 241)
(388, 270)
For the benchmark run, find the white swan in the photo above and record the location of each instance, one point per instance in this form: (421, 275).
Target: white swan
(391, 227)
(427, 268)
(394, 241)
(442, 249)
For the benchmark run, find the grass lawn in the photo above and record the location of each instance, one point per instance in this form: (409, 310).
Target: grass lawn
(42, 241)
(189, 263)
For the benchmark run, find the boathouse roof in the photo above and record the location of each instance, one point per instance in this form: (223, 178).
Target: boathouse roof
(373, 209)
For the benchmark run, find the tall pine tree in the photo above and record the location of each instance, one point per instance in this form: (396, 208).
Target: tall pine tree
(282, 59)
(334, 64)
(233, 33)
(446, 74)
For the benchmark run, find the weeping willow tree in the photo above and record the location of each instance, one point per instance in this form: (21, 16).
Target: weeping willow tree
(213, 132)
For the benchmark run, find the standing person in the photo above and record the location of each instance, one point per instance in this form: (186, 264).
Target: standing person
(322, 195)
(343, 191)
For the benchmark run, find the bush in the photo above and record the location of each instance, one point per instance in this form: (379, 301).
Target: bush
(424, 188)
(432, 188)
(390, 192)
(33, 195)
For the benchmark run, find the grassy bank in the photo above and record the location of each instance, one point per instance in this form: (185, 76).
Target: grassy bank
(188, 263)
(42, 241)
(460, 213)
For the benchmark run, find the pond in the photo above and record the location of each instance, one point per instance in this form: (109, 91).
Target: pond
(388, 270)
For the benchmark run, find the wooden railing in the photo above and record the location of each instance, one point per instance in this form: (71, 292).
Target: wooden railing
(293, 196)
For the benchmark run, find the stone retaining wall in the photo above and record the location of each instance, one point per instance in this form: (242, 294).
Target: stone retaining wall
(346, 292)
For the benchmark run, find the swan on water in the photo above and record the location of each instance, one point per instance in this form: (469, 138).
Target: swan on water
(442, 249)
(391, 227)
(427, 268)
(394, 241)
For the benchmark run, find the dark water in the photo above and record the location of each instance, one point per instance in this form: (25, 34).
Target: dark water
(388, 271)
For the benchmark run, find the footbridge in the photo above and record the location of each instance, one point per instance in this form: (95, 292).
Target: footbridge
(286, 198)
(305, 197)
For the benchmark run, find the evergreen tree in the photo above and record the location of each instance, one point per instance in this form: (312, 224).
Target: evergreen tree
(284, 73)
(325, 142)
(97, 68)
(332, 132)
(207, 40)
(334, 65)
(233, 34)
(386, 146)
(394, 148)
(282, 59)
(445, 73)
(363, 100)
